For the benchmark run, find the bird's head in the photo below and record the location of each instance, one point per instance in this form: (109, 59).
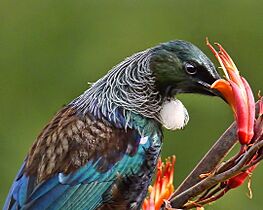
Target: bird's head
(180, 67)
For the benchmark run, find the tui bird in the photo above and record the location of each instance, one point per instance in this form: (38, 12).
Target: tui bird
(100, 151)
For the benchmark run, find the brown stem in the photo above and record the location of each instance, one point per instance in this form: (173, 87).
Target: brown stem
(182, 198)
(208, 200)
(209, 162)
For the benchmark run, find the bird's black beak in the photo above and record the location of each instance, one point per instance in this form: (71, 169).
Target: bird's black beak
(199, 87)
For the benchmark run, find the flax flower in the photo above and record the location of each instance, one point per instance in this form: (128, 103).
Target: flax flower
(163, 185)
(237, 92)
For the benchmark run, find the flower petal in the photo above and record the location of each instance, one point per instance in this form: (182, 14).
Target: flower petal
(250, 109)
(225, 89)
(241, 115)
(163, 185)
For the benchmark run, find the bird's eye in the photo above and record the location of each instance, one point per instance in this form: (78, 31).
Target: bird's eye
(190, 68)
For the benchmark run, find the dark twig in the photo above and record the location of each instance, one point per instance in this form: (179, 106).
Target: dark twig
(182, 198)
(210, 161)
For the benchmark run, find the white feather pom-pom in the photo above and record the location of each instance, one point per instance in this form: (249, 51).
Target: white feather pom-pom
(173, 114)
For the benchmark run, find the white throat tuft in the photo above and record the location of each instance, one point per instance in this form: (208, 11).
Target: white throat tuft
(173, 114)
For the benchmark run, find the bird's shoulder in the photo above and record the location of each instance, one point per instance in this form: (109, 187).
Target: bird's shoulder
(70, 140)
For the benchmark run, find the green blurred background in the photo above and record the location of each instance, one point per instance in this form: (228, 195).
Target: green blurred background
(50, 50)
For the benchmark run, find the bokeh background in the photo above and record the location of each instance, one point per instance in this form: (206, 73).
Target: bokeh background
(50, 50)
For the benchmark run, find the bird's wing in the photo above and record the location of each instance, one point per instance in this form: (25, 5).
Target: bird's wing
(73, 163)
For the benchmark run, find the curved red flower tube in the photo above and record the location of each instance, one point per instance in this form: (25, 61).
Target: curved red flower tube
(237, 93)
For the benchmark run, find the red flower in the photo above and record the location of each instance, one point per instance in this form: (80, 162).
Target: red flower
(237, 93)
(163, 185)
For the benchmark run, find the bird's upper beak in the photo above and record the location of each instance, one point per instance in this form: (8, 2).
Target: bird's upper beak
(235, 90)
